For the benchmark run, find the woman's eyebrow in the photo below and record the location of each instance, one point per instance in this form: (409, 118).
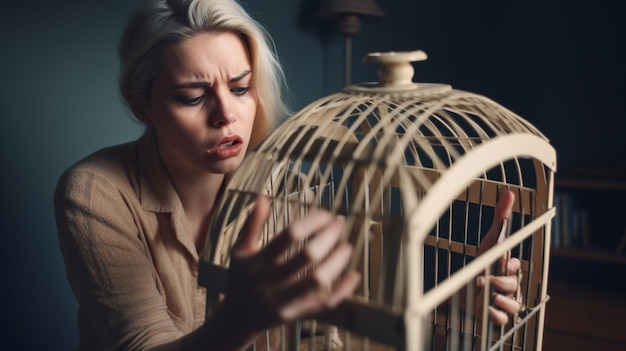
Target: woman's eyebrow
(191, 85)
(240, 77)
(203, 84)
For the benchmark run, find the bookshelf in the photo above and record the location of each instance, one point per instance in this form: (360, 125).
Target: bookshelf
(590, 222)
(589, 229)
(586, 284)
(596, 255)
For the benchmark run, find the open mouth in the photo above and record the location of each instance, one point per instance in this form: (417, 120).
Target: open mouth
(227, 144)
(227, 147)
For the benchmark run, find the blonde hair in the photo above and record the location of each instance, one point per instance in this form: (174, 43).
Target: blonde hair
(156, 24)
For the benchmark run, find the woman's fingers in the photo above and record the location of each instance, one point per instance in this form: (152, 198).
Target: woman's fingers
(503, 284)
(506, 282)
(509, 265)
(343, 288)
(502, 211)
(320, 277)
(313, 280)
(317, 247)
(313, 222)
(506, 304)
(513, 265)
(497, 316)
(313, 293)
(275, 287)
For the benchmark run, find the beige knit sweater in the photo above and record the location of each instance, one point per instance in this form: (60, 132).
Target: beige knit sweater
(129, 261)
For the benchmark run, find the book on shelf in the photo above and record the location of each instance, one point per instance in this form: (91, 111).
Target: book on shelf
(571, 227)
(589, 207)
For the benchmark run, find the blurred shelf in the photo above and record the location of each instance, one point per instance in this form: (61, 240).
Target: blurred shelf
(597, 255)
(586, 285)
(590, 184)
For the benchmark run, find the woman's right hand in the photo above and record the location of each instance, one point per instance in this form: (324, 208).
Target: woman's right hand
(267, 287)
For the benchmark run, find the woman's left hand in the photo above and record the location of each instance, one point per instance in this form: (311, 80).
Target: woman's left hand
(507, 284)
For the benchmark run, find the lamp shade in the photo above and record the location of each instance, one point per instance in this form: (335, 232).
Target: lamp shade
(331, 8)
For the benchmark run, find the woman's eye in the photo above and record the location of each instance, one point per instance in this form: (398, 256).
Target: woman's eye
(240, 90)
(192, 101)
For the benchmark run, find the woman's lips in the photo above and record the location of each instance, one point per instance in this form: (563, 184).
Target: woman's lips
(227, 147)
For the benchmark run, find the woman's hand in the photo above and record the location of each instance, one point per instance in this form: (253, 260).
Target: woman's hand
(506, 284)
(269, 287)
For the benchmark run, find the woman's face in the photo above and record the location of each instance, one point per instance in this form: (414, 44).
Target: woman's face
(202, 104)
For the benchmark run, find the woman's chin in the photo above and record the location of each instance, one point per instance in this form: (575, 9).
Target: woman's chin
(224, 166)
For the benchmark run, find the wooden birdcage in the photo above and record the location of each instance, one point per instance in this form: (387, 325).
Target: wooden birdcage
(416, 169)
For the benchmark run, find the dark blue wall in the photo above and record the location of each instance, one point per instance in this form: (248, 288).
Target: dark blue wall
(558, 64)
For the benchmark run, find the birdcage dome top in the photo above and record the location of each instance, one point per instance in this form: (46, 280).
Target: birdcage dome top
(407, 135)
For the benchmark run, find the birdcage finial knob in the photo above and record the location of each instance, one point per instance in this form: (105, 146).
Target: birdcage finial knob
(395, 66)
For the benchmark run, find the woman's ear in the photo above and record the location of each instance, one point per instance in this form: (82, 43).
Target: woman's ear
(138, 106)
(140, 114)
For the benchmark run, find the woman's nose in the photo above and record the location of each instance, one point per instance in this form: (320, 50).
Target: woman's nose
(223, 113)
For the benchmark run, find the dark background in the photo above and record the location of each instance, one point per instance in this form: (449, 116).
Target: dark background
(558, 64)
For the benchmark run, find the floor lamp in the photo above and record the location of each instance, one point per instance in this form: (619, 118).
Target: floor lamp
(348, 14)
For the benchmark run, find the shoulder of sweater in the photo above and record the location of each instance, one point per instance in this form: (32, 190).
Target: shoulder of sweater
(114, 164)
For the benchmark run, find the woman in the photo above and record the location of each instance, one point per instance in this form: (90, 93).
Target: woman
(132, 218)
